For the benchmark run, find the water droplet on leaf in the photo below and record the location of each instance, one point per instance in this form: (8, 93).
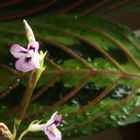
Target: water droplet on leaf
(18, 80)
(89, 59)
(137, 103)
(113, 117)
(120, 123)
(74, 101)
(84, 132)
(125, 111)
(3, 107)
(64, 122)
(10, 64)
(122, 117)
(10, 87)
(76, 17)
(120, 91)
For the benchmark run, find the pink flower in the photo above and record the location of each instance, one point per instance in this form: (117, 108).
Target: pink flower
(49, 128)
(28, 59)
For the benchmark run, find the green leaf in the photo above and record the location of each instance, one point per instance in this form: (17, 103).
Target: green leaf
(92, 73)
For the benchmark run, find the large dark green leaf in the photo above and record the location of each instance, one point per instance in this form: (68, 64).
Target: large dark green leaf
(92, 73)
(20, 8)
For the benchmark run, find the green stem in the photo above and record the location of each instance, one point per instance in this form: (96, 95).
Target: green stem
(26, 96)
(25, 100)
(23, 134)
(33, 79)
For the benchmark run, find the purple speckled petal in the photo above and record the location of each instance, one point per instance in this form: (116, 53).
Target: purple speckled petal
(33, 45)
(25, 65)
(53, 133)
(17, 51)
(50, 128)
(55, 119)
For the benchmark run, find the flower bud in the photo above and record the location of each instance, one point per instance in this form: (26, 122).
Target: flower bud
(5, 131)
(29, 32)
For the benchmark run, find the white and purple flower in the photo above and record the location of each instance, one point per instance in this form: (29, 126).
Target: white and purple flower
(28, 59)
(49, 128)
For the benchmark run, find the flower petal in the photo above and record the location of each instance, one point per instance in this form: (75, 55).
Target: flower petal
(35, 128)
(52, 132)
(50, 128)
(25, 65)
(36, 59)
(33, 45)
(55, 119)
(18, 51)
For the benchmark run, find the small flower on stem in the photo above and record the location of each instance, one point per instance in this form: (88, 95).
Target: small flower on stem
(28, 59)
(49, 128)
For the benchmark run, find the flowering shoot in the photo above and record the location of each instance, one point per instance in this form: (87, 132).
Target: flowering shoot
(49, 128)
(28, 59)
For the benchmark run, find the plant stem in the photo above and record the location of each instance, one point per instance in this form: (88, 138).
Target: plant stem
(22, 134)
(33, 79)
(25, 100)
(26, 96)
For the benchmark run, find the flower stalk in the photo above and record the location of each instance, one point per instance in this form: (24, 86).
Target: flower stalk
(33, 79)
(29, 59)
(23, 134)
(49, 128)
